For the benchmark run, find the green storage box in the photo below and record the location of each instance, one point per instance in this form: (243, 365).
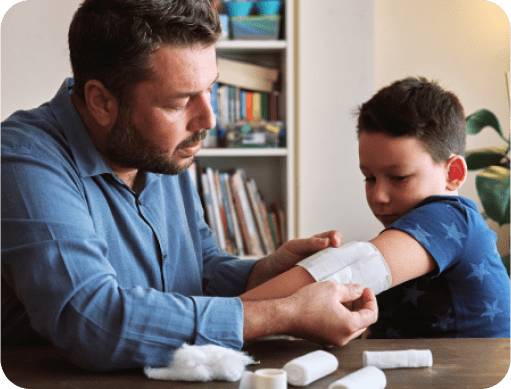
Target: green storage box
(262, 27)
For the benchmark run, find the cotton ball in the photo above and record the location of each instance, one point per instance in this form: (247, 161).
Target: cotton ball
(202, 363)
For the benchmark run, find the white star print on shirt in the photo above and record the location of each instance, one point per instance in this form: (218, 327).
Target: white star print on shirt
(492, 310)
(453, 233)
(478, 272)
(420, 235)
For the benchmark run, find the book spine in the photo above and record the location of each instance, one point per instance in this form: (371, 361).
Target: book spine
(223, 213)
(216, 209)
(256, 210)
(232, 217)
(241, 217)
(208, 205)
(253, 238)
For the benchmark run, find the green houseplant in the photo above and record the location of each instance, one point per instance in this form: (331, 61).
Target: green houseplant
(492, 182)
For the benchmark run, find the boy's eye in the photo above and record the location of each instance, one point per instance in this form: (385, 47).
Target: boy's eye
(370, 179)
(399, 178)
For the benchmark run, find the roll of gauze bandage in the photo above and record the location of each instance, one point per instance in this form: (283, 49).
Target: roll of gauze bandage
(398, 359)
(269, 379)
(310, 367)
(367, 377)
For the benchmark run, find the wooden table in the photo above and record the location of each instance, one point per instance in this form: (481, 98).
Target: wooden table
(457, 363)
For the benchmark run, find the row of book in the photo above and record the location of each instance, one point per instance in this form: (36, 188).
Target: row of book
(242, 223)
(244, 92)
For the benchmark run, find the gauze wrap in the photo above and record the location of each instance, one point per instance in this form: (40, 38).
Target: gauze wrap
(353, 262)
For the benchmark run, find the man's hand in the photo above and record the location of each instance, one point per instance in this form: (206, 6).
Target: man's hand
(289, 254)
(324, 312)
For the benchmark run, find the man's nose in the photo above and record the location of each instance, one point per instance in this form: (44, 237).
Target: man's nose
(204, 117)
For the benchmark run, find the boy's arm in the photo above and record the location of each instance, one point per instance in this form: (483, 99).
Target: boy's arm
(406, 258)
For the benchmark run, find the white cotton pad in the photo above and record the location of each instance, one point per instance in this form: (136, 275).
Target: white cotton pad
(303, 370)
(365, 378)
(398, 359)
(202, 363)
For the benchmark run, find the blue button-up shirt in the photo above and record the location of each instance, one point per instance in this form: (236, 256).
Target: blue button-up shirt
(112, 278)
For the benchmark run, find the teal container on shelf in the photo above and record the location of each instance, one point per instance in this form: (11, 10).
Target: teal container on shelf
(268, 7)
(261, 27)
(239, 8)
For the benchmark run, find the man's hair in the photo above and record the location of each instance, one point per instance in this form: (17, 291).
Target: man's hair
(112, 40)
(418, 108)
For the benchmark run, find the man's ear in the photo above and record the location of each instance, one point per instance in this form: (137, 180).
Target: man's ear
(102, 105)
(456, 172)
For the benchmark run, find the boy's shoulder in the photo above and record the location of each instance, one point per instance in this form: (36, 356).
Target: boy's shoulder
(452, 201)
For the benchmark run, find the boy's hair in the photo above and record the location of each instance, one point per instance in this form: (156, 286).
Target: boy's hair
(112, 40)
(418, 108)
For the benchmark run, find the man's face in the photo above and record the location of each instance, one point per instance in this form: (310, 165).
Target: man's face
(399, 174)
(169, 115)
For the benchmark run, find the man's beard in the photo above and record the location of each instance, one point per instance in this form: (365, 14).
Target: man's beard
(127, 148)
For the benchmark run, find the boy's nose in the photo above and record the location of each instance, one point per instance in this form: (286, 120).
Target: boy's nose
(381, 194)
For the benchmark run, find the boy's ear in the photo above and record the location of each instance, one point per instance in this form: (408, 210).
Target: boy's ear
(456, 171)
(101, 104)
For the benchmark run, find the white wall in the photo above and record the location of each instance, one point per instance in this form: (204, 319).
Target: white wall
(34, 52)
(463, 44)
(335, 73)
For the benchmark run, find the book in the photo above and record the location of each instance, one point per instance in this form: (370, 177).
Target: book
(208, 206)
(223, 214)
(260, 215)
(267, 228)
(256, 106)
(249, 98)
(272, 221)
(217, 221)
(252, 239)
(232, 219)
(246, 76)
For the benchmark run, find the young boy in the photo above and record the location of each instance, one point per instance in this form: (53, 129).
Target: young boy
(436, 253)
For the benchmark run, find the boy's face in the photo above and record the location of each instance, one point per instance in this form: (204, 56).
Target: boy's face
(399, 174)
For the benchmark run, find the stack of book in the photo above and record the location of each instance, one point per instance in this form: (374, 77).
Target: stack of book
(234, 209)
(243, 92)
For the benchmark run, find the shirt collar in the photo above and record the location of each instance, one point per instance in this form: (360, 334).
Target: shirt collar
(85, 154)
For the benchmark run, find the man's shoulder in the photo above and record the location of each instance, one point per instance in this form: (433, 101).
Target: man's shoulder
(35, 130)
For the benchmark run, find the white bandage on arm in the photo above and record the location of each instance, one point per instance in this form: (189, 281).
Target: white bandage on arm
(354, 262)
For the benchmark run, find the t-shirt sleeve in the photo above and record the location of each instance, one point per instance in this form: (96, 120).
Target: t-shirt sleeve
(441, 228)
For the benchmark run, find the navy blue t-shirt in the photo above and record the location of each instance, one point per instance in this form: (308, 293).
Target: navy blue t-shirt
(467, 296)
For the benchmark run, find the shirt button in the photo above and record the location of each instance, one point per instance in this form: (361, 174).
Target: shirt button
(139, 202)
(164, 257)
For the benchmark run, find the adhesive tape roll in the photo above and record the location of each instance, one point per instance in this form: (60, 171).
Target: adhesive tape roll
(269, 379)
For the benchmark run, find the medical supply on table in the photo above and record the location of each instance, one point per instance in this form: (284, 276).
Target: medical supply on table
(398, 359)
(365, 378)
(303, 370)
(269, 379)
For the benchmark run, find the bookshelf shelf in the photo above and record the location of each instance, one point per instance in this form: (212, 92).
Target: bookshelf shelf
(256, 152)
(251, 45)
(272, 169)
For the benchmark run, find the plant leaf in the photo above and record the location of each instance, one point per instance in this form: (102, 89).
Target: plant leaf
(481, 158)
(493, 188)
(481, 119)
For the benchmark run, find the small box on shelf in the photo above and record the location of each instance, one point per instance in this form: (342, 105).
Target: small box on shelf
(260, 27)
(259, 134)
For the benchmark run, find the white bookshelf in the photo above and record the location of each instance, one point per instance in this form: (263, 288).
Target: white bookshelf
(271, 168)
